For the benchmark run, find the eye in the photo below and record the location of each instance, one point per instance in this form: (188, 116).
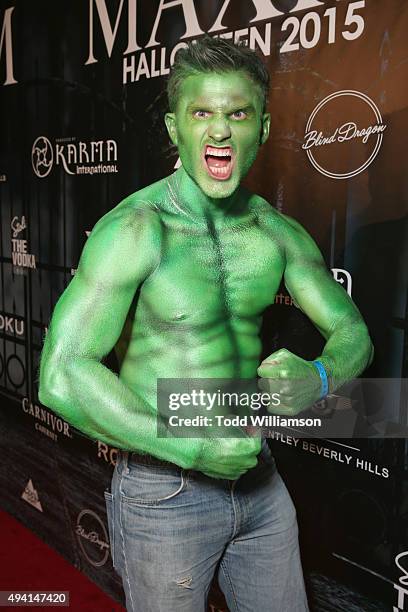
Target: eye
(201, 114)
(239, 115)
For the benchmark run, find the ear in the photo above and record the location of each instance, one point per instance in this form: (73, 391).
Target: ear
(170, 121)
(266, 123)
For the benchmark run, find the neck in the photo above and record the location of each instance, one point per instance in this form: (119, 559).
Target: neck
(193, 202)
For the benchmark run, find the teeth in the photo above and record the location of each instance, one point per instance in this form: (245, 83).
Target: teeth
(223, 171)
(218, 152)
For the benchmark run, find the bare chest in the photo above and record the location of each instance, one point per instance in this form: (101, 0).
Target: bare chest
(206, 276)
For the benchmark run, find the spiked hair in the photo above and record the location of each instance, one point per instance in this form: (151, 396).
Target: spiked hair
(215, 55)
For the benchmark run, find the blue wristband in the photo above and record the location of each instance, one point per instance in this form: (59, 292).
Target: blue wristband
(323, 377)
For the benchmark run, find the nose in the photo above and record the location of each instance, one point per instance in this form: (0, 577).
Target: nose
(219, 129)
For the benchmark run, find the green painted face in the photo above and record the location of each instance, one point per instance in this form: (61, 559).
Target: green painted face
(218, 127)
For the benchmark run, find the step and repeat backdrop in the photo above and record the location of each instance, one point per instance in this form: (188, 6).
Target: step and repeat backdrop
(82, 92)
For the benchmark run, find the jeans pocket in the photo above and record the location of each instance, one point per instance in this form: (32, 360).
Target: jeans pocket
(151, 485)
(111, 524)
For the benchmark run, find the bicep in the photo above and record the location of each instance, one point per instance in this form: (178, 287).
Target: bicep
(311, 285)
(89, 316)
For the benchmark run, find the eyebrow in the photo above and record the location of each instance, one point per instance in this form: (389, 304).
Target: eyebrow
(203, 106)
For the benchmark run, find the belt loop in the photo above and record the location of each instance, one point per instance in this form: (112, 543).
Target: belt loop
(123, 459)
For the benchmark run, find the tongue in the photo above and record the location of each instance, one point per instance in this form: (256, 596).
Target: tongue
(217, 162)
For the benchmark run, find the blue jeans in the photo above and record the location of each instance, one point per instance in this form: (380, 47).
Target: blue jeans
(171, 530)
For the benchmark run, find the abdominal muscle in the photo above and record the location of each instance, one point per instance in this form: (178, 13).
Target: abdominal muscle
(229, 349)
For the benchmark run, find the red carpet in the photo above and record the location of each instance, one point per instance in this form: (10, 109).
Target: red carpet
(27, 563)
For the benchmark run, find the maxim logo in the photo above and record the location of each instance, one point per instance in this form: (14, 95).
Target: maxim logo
(6, 46)
(93, 538)
(30, 495)
(156, 62)
(91, 157)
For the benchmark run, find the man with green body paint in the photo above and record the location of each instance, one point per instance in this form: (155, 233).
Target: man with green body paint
(177, 277)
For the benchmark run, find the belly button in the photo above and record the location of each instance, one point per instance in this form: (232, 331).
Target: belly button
(180, 316)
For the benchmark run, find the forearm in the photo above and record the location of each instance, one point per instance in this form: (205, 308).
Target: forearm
(347, 352)
(95, 401)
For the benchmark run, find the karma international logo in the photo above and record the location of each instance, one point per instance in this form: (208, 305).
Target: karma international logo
(344, 134)
(75, 156)
(42, 156)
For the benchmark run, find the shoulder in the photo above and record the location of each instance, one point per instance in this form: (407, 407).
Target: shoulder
(126, 241)
(275, 220)
(134, 219)
(289, 233)
(149, 199)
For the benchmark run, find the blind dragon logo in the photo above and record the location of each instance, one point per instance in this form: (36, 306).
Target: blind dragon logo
(343, 134)
(42, 156)
(92, 537)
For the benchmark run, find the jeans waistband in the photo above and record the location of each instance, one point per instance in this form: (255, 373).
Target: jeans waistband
(146, 459)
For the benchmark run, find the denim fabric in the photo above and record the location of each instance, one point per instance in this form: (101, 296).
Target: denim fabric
(171, 530)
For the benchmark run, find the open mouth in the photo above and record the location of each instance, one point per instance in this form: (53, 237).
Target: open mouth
(218, 161)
